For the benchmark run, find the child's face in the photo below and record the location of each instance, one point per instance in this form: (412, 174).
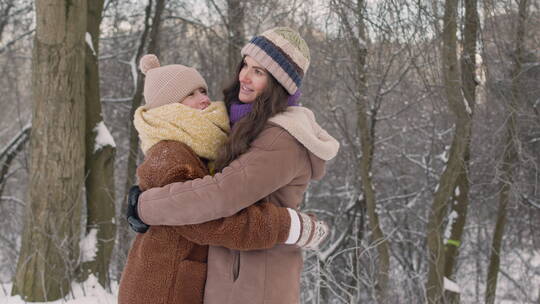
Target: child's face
(198, 99)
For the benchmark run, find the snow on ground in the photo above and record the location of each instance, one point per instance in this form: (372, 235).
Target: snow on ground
(519, 284)
(89, 292)
(523, 267)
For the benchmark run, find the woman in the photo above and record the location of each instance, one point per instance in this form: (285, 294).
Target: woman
(273, 152)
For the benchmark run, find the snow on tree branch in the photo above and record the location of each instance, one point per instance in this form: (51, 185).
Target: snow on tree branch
(103, 137)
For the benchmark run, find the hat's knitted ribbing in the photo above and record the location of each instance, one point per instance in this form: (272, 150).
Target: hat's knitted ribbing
(283, 53)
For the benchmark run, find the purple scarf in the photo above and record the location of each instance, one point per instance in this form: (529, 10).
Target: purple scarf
(239, 109)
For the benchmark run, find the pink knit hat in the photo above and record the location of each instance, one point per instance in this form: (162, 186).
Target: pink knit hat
(168, 84)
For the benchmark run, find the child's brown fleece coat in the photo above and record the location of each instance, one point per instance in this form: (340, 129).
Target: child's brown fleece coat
(166, 264)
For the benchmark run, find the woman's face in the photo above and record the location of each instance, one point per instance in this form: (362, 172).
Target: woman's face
(253, 80)
(198, 99)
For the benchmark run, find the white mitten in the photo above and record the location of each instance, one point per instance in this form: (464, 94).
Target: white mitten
(306, 230)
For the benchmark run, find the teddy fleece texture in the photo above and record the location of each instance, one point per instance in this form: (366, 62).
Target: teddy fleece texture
(169, 264)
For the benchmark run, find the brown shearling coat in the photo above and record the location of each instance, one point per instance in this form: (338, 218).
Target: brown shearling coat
(168, 264)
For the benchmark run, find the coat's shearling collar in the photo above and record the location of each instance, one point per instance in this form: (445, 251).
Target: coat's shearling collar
(300, 123)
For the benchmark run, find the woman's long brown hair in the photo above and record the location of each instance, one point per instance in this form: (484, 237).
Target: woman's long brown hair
(271, 101)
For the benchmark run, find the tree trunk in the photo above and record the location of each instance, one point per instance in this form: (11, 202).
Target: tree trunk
(462, 111)
(124, 231)
(509, 157)
(138, 96)
(50, 241)
(365, 128)
(461, 188)
(5, 15)
(359, 222)
(99, 163)
(236, 37)
(137, 99)
(10, 152)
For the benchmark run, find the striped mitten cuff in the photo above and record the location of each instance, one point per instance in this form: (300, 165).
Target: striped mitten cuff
(313, 231)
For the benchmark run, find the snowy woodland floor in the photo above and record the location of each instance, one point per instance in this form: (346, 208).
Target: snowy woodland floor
(90, 292)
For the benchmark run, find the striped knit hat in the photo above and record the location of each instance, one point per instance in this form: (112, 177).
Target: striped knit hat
(169, 83)
(283, 53)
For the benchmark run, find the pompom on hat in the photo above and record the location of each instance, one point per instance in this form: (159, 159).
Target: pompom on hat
(283, 53)
(148, 62)
(168, 84)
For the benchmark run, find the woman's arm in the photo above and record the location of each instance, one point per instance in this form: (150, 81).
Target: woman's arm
(260, 226)
(273, 161)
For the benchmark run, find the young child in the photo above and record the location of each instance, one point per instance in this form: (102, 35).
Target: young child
(180, 132)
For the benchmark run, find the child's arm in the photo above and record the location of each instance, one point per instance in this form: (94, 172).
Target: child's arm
(260, 226)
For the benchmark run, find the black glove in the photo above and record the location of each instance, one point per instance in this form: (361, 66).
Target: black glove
(132, 215)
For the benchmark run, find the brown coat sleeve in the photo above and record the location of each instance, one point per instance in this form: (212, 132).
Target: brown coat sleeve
(274, 159)
(259, 226)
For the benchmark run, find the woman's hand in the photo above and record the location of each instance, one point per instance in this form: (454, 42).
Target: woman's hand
(132, 215)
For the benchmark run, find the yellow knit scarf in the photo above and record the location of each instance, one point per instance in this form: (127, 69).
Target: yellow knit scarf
(204, 131)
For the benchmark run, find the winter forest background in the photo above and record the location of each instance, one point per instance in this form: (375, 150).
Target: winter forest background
(435, 193)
